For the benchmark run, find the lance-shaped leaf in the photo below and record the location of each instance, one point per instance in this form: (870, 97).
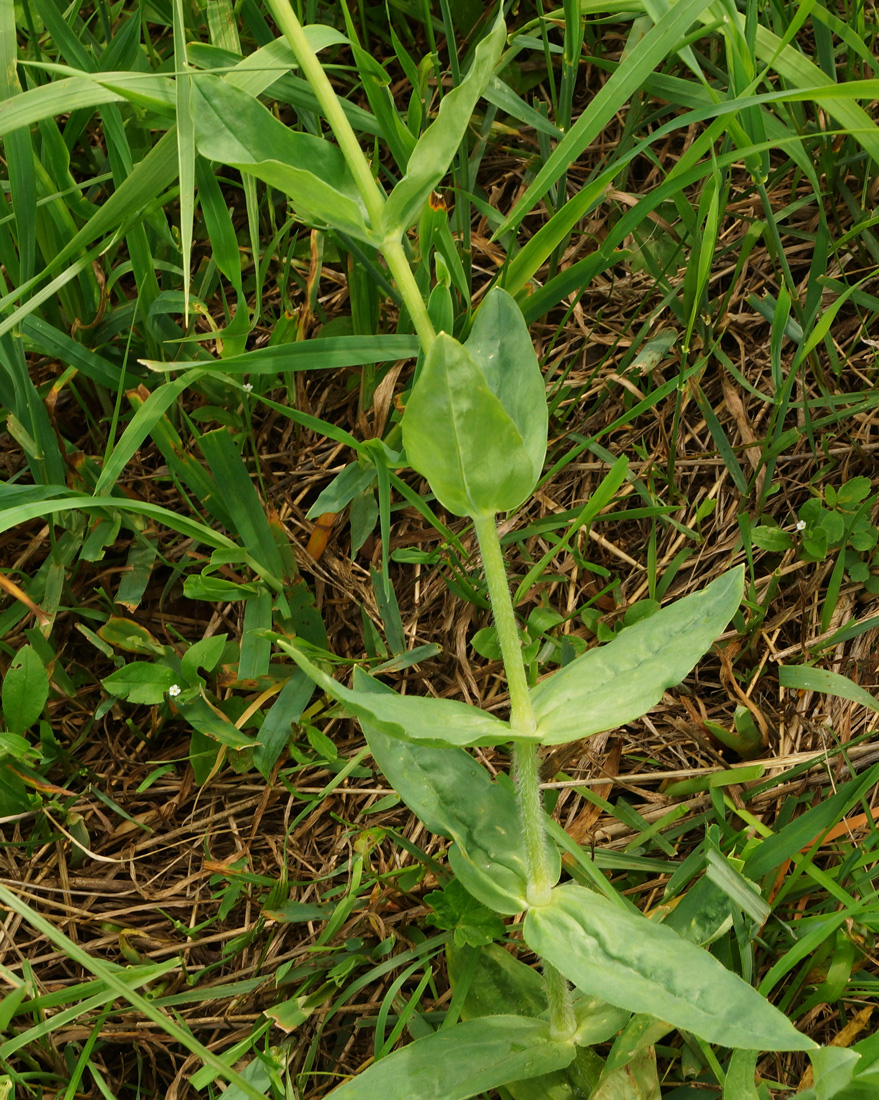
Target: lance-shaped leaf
(412, 717)
(454, 795)
(233, 127)
(462, 1061)
(499, 343)
(430, 159)
(644, 967)
(475, 423)
(618, 682)
(499, 983)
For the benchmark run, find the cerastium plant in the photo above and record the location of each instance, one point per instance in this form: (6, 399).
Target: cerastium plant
(475, 427)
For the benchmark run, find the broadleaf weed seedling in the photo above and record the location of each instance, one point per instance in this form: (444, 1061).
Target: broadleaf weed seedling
(475, 427)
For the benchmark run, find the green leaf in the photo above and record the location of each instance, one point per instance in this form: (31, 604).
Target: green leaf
(624, 83)
(475, 423)
(430, 159)
(25, 690)
(618, 682)
(644, 967)
(130, 636)
(460, 1062)
(854, 491)
(472, 923)
(213, 726)
(435, 721)
(205, 586)
(834, 1070)
(277, 725)
(499, 983)
(16, 746)
(141, 682)
(637, 1080)
(205, 654)
(639, 1034)
(322, 353)
(770, 538)
(739, 1083)
(453, 795)
(240, 497)
(829, 683)
(501, 346)
(342, 489)
(233, 127)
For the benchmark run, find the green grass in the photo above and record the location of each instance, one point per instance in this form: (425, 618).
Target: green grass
(192, 377)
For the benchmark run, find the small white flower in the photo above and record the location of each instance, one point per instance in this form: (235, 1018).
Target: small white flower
(801, 525)
(248, 386)
(174, 690)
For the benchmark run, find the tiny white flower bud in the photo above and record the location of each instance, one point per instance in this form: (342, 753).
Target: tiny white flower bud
(248, 386)
(801, 525)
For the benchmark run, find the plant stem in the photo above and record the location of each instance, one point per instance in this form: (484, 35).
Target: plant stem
(395, 255)
(372, 195)
(522, 721)
(370, 192)
(526, 763)
(522, 717)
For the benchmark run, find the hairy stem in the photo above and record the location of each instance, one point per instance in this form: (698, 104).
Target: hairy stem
(526, 762)
(521, 712)
(372, 195)
(522, 721)
(395, 255)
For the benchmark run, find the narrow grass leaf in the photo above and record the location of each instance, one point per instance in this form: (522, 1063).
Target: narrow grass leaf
(599, 500)
(240, 498)
(806, 829)
(803, 678)
(661, 40)
(805, 76)
(19, 151)
(434, 721)
(12, 514)
(472, 1057)
(275, 731)
(327, 353)
(185, 146)
(183, 465)
(49, 340)
(121, 986)
(140, 426)
(618, 682)
(642, 966)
